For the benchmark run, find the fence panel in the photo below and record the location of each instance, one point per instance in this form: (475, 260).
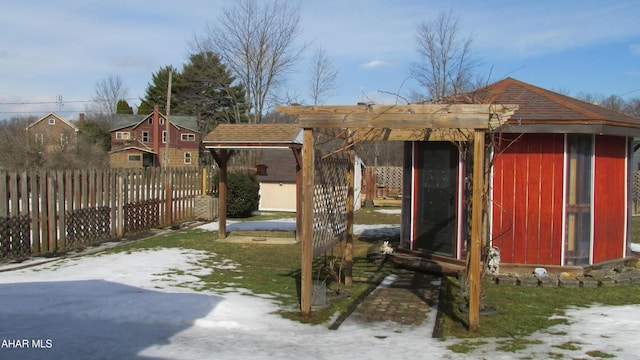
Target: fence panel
(45, 212)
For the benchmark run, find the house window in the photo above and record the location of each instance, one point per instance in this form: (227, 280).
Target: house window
(135, 158)
(187, 158)
(161, 121)
(150, 121)
(188, 137)
(145, 136)
(579, 187)
(52, 121)
(164, 136)
(123, 135)
(64, 139)
(40, 139)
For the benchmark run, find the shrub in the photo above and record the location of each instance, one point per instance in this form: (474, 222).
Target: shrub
(242, 194)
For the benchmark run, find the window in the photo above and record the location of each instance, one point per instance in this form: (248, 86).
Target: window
(188, 137)
(64, 139)
(40, 139)
(135, 158)
(187, 158)
(164, 136)
(123, 135)
(145, 136)
(52, 121)
(161, 121)
(578, 199)
(150, 121)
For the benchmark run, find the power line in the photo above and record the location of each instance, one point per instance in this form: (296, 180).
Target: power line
(58, 102)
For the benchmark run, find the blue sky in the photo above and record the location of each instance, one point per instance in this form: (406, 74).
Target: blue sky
(52, 48)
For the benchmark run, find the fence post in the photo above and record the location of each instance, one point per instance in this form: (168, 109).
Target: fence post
(121, 203)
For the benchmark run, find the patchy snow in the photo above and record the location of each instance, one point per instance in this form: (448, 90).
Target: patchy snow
(635, 247)
(145, 304)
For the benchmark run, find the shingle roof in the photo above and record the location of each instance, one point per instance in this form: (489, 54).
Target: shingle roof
(121, 121)
(253, 135)
(538, 105)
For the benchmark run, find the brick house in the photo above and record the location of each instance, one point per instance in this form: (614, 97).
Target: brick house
(53, 133)
(140, 141)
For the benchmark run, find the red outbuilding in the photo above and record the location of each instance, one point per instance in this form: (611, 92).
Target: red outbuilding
(559, 183)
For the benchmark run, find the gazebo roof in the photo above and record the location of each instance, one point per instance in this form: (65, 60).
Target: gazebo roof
(541, 110)
(237, 136)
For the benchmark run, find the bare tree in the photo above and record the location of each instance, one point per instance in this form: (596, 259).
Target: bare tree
(108, 92)
(322, 76)
(256, 40)
(446, 63)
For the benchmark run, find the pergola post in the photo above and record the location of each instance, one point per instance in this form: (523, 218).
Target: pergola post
(308, 171)
(222, 159)
(476, 230)
(298, 155)
(348, 248)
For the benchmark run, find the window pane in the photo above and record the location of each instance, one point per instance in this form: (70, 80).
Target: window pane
(578, 199)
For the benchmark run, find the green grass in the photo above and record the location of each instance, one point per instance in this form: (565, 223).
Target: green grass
(273, 270)
(525, 310)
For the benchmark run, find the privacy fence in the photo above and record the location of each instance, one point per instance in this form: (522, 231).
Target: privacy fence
(44, 212)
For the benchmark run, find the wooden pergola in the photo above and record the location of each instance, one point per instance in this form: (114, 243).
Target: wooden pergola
(400, 123)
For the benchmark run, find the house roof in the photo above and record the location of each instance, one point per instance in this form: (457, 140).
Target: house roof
(122, 121)
(254, 136)
(75, 128)
(541, 110)
(281, 166)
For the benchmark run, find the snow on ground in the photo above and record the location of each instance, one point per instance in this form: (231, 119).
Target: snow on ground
(145, 305)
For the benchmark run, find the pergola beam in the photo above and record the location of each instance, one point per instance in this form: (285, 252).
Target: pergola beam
(449, 116)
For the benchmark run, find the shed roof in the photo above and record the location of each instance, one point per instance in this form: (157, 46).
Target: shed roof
(547, 111)
(254, 136)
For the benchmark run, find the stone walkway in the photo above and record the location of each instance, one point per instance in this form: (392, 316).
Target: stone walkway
(404, 297)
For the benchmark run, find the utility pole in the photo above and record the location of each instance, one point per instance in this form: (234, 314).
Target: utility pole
(169, 188)
(167, 128)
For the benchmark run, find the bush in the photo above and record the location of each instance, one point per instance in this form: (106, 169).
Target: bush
(242, 195)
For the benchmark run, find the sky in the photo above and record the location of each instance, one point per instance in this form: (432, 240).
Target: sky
(53, 53)
(144, 304)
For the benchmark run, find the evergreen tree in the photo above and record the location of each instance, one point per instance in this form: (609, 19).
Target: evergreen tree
(156, 93)
(206, 89)
(123, 107)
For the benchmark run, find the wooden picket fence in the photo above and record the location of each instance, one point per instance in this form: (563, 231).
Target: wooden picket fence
(46, 212)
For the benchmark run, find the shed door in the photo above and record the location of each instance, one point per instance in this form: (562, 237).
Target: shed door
(436, 191)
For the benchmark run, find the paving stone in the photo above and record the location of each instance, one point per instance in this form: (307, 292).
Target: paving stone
(606, 282)
(507, 280)
(568, 282)
(528, 280)
(588, 281)
(548, 281)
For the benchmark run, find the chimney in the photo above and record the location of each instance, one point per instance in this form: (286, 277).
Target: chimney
(81, 120)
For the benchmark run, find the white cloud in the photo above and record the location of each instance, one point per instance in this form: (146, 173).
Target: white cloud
(374, 64)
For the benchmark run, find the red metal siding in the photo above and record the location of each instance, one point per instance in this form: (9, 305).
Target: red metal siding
(609, 198)
(527, 198)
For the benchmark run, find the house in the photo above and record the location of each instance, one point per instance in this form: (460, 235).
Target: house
(276, 173)
(559, 188)
(53, 133)
(141, 141)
